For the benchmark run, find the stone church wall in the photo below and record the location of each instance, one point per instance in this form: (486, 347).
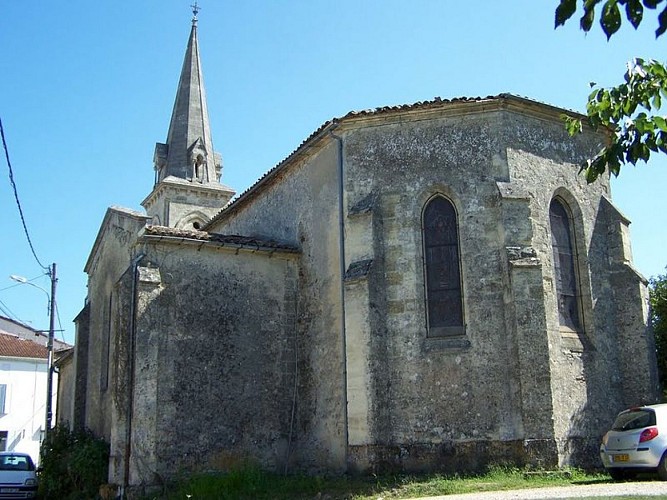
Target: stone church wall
(322, 360)
(81, 347)
(428, 393)
(111, 257)
(585, 378)
(215, 361)
(546, 167)
(300, 207)
(513, 384)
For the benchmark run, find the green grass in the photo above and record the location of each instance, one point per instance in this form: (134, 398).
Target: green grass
(251, 483)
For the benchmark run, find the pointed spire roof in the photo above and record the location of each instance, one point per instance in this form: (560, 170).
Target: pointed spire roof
(187, 191)
(189, 153)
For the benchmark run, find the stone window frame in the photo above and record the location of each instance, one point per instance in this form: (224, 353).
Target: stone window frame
(581, 337)
(452, 332)
(193, 220)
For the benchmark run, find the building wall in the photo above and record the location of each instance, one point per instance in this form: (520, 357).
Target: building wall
(82, 323)
(300, 207)
(25, 403)
(64, 410)
(214, 372)
(586, 385)
(179, 203)
(546, 166)
(25, 396)
(427, 393)
(514, 378)
(321, 360)
(111, 258)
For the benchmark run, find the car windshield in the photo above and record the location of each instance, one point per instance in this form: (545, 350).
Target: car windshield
(16, 462)
(634, 419)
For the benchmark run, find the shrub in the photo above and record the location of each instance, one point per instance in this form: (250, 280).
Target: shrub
(658, 296)
(73, 465)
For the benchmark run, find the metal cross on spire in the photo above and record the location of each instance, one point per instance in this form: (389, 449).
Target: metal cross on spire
(195, 11)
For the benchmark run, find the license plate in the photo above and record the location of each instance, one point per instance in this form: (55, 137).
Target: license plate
(9, 490)
(620, 458)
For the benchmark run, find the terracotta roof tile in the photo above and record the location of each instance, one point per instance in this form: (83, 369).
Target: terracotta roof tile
(11, 345)
(435, 103)
(224, 239)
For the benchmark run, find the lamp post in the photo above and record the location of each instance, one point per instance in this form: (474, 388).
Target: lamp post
(49, 345)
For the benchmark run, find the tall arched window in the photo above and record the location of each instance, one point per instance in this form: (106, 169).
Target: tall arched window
(565, 272)
(444, 301)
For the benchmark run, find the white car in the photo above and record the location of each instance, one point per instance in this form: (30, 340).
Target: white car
(637, 442)
(18, 478)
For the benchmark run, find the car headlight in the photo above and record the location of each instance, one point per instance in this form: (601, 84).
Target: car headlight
(31, 482)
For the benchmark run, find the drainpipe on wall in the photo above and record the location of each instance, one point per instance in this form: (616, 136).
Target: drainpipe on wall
(130, 385)
(341, 250)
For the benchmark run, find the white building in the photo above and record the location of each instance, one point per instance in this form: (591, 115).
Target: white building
(23, 381)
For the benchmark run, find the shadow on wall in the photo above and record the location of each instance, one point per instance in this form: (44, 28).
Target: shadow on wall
(618, 364)
(582, 445)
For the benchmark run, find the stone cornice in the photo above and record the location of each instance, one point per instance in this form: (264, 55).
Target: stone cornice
(176, 185)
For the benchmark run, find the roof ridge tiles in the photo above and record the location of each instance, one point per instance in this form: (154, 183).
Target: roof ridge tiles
(434, 103)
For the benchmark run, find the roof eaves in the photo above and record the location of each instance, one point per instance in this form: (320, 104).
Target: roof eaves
(203, 238)
(437, 103)
(310, 142)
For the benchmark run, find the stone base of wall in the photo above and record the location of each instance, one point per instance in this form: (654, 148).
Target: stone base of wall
(452, 457)
(582, 452)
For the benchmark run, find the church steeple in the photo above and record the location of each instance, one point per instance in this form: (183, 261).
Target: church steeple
(188, 153)
(187, 162)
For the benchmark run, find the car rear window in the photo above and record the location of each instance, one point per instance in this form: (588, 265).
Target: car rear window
(634, 419)
(12, 462)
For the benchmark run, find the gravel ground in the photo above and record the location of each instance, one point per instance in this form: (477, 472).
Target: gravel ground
(656, 489)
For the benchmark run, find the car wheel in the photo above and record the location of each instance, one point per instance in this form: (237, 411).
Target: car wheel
(662, 467)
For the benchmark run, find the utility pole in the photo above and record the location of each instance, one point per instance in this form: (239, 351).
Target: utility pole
(49, 347)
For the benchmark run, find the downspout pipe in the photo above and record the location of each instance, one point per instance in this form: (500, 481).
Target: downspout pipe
(130, 386)
(341, 250)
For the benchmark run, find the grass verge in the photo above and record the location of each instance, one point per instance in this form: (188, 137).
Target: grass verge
(251, 483)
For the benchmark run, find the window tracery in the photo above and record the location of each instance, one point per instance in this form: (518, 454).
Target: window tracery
(564, 261)
(444, 301)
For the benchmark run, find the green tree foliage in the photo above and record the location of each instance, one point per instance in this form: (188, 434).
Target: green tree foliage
(610, 15)
(73, 464)
(658, 295)
(629, 110)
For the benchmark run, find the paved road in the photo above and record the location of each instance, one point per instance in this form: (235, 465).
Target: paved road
(657, 489)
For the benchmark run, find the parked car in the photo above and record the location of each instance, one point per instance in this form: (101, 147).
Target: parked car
(637, 442)
(18, 478)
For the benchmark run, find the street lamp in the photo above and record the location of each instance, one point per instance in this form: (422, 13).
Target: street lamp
(49, 345)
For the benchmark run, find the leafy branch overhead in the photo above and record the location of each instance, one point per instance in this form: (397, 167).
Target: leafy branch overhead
(628, 110)
(610, 17)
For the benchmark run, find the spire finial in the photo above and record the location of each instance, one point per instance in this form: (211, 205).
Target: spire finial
(195, 11)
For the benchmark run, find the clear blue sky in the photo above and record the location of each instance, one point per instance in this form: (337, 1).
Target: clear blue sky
(87, 88)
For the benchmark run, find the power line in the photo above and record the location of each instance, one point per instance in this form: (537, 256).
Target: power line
(7, 312)
(21, 283)
(60, 325)
(16, 196)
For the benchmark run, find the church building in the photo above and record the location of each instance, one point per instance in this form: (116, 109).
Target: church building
(424, 287)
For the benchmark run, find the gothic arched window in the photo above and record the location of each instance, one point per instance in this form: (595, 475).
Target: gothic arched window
(442, 269)
(565, 272)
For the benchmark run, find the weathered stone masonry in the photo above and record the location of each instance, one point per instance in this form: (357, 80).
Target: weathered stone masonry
(292, 329)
